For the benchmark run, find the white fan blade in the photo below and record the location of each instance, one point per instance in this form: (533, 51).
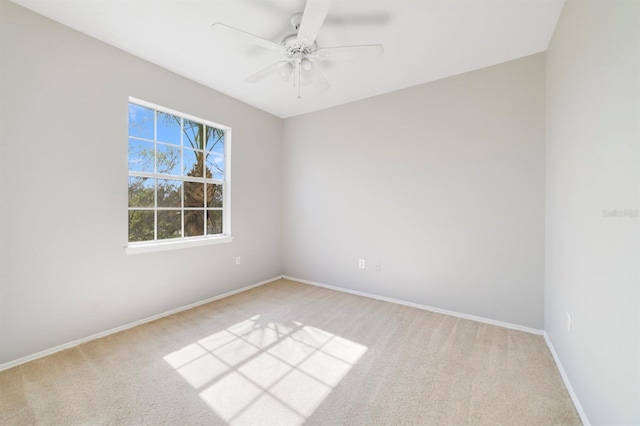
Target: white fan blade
(261, 75)
(247, 37)
(314, 14)
(370, 51)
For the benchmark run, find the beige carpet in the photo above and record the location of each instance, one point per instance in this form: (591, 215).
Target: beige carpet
(289, 353)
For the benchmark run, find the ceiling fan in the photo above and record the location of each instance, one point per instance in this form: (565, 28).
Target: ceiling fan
(300, 49)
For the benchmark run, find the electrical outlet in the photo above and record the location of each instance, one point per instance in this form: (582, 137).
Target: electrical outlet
(361, 263)
(237, 260)
(568, 322)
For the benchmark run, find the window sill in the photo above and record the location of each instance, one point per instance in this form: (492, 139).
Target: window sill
(175, 245)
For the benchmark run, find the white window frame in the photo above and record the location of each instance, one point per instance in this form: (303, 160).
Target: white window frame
(184, 242)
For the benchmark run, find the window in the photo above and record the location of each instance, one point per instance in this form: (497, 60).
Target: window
(178, 177)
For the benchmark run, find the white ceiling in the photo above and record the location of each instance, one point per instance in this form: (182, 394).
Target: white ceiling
(424, 40)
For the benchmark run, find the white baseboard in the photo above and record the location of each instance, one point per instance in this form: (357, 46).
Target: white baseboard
(565, 378)
(567, 383)
(563, 374)
(77, 342)
(423, 307)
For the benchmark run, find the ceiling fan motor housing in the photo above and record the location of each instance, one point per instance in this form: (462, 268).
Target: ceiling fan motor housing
(290, 42)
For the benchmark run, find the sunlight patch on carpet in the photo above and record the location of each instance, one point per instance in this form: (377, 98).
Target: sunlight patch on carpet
(266, 372)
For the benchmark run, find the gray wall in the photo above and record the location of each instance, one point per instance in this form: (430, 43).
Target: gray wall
(442, 183)
(593, 164)
(63, 224)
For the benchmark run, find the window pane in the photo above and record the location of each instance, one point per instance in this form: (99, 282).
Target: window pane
(141, 156)
(193, 194)
(168, 159)
(141, 191)
(215, 155)
(215, 140)
(193, 223)
(192, 163)
(168, 128)
(169, 224)
(214, 195)
(214, 222)
(141, 225)
(215, 165)
(193, 134)
(140, 122)
(169, 193)
(176, 169)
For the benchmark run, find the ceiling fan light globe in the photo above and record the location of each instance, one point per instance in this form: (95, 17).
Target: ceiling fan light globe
(285, 71)
(306, 69)
(306, 65)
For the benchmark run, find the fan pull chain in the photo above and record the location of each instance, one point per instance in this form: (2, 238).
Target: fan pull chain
(297, 78)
